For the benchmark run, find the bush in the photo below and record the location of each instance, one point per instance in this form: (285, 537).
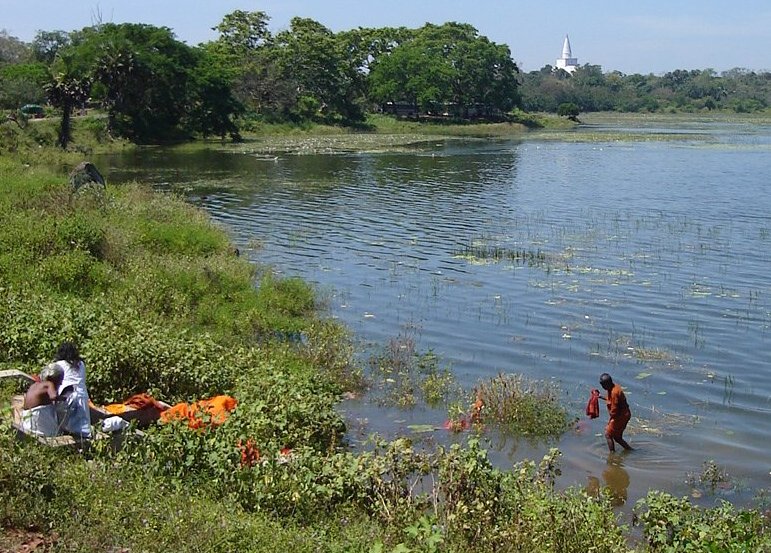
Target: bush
(671, 524)
(74, 272)
(522, 406)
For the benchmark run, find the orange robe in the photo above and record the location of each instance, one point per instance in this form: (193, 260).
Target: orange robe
(211, 412)
(619, 412)
(137, 401)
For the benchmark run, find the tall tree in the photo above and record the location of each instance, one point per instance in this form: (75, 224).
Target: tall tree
(22, 83)
(212, 104)
(447, 65)
(12, 50)
(142, 75)
(242, 32)
(327, 80)
(68, 88)
(47, 44)
(240, 53)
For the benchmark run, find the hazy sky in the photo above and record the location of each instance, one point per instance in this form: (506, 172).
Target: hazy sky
(647, 36)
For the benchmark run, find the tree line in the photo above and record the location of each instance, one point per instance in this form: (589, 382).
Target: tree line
(154, 87)
(589, 89)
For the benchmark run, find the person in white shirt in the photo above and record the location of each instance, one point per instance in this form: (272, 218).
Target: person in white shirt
(75, 416)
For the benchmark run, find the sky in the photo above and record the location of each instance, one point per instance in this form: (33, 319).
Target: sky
(645, 36)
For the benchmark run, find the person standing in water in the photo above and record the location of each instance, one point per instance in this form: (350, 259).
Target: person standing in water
(618, 410)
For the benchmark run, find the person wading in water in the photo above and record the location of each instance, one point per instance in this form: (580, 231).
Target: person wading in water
(619, 412)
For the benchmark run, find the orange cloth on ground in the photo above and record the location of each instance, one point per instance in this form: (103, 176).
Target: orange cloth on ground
(137, 401)
(217, 409)
(618, 408)
(593, 405)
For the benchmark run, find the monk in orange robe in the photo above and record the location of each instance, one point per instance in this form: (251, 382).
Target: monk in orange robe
(619, 412)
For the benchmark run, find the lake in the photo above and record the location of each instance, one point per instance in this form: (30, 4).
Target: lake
(654, 267)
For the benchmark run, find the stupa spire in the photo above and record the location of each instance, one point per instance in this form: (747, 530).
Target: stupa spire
(567, 61)
(566, 53)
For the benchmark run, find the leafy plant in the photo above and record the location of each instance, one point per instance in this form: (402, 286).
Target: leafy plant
(670, 524)
(517, 404)
(711, 477)
(403, 376)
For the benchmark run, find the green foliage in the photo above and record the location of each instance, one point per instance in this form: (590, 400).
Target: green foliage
(670, 524)
(22, 84)
(284, 302)
(404, 377)
(447, 65)
(329, 347)
(47, 43)
(569, 110)
(328, 85)
(73, 272)
(96, 506)
(527, 407)
(241, 32)
(590, 90)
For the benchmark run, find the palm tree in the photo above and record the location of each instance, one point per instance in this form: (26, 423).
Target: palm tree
(65, 91)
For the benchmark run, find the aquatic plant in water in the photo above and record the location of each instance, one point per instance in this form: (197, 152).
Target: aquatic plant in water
(519, 405)
(403, 377)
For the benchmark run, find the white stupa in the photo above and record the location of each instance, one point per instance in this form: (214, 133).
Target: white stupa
(567, 61)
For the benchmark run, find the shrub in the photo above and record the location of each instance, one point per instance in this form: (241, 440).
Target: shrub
(284, 303)
(127, 354)
(74, 272)
(671, 524)
(519, 405)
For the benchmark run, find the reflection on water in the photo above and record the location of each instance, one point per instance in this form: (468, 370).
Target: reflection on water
(656, 269)
(615, 481)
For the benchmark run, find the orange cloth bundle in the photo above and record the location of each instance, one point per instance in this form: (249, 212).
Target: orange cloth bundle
(137, 401)
(593, 405)
(212, 411)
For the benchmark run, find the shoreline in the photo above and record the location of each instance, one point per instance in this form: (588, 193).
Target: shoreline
(540, 503)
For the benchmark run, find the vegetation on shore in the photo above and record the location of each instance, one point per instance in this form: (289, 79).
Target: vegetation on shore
(159, 301)
(154, 88)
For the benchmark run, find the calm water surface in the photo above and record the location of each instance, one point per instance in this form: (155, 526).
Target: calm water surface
(657, 271)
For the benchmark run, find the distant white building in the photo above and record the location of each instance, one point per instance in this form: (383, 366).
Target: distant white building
(567, 61)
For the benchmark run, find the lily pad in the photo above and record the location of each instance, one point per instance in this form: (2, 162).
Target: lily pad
(421, 428)
(642, 375)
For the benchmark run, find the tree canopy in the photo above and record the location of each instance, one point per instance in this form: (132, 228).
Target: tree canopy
(155, 88)
(444, 67)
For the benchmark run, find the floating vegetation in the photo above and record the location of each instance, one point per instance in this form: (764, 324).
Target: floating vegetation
(630, 347)
(661, 423)
(653, 354)
(700, 290)
(269, 148)
(519, 405)
(483, 253)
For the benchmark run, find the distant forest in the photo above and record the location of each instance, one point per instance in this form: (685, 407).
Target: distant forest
(154, 87)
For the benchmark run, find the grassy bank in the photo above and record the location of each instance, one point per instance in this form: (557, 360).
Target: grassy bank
(159, 301)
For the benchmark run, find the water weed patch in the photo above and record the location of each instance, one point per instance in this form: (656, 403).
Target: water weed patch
(516, 404)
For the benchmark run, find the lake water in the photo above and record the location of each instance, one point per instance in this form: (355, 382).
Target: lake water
(657, 261)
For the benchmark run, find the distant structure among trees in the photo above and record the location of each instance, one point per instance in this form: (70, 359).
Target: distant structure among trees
(153, 88)
(567, 62)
